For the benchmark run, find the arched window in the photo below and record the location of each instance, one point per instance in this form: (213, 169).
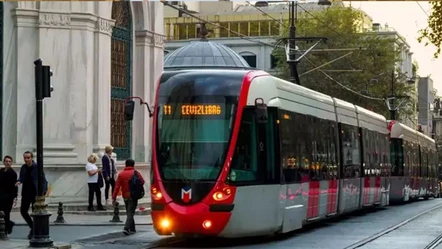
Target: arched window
(250, 58)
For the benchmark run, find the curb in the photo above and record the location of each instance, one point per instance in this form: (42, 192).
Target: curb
(109, 224)
(103, 213)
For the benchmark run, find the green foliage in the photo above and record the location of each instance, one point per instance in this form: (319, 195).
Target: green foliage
(433, 33)
(343, 26)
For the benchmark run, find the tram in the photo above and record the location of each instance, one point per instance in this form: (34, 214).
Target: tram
(415, 170)
(242, 153)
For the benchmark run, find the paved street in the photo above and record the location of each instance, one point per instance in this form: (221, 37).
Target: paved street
(338, 234)
(333, 234)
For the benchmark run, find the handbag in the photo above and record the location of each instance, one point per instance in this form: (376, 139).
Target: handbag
(100, 180)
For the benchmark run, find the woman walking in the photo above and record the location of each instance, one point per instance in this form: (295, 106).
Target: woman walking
(8, 191)
(94, 182)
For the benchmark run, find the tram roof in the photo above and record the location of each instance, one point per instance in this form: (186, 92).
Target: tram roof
(399, 130)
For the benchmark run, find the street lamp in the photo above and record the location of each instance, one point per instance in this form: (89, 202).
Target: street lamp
(391, 99)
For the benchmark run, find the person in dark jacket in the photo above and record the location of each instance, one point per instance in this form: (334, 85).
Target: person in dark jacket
(28, 178)
(8, 191)
(109, 171)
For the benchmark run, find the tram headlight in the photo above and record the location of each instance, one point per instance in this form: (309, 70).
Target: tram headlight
(222, 195)
(156, 194)
(165, 224)
(207, 224)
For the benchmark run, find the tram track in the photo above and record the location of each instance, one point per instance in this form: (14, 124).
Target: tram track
(435, 243)
(384, 232)
(179, 242)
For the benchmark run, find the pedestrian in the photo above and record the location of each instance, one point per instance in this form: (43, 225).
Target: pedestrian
(123, 183)
(94, 182)
(8, 191)
(109, 171)
(28, 178)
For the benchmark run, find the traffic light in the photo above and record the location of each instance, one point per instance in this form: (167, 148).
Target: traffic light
(47, 87)
(43, 74)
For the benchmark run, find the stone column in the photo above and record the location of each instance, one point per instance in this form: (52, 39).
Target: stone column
(55, 50)
(157, 58)
(102, 84)
(82, 82)
(19, 91)
(141, 88)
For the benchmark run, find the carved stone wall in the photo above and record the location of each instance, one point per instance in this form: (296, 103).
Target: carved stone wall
(74, 38)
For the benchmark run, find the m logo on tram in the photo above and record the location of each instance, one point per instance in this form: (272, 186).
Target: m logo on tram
(186, 195)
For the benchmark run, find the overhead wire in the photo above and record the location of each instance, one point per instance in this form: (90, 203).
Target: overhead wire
(265, 13)
(267, 44)
(342, 85)
(318, 67)
(217, 25)
(422, 8)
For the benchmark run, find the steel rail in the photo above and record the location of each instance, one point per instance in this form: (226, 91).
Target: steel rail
(367, 240)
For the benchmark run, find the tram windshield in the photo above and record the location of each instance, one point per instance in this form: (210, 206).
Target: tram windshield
(193, 132)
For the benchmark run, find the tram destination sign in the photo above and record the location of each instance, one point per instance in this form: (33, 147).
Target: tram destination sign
(193, 109)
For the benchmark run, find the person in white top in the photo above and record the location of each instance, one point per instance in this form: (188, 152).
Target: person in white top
(93, 182)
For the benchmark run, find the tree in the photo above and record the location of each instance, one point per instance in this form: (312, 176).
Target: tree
(342, 26)
(433, 33)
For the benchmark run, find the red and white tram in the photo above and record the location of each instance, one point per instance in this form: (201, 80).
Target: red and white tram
(242, 153)
(414, 171)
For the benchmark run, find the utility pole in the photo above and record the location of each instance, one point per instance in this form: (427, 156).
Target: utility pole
(294, 77)
(393, 109)
(391, 103)
(43, 89)
(290, 42)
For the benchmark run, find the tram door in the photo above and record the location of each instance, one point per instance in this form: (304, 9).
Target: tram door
(260, 199)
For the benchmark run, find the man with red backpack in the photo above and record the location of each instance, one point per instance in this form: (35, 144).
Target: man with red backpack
(131, 184)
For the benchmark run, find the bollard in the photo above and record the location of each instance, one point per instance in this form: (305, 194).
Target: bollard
(60, 218)
(3, 234)
(116, 217)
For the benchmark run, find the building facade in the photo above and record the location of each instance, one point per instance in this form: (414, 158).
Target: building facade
(100, 53)
(425, 105)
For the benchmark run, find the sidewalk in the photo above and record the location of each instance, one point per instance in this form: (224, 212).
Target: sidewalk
(85, 220)
(79, 205)
(19, 243)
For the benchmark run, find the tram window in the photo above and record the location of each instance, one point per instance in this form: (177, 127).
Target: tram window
(397, 157)
(314, 139)
(387, 163)
(295, 150)
(321, 149)
(350, 151)
(332, 149)
(407, 158)
(415, 158)
(244, 167)
(424, 165)
(372, 138)
(367, 152)
(381, 153)
(377, 152)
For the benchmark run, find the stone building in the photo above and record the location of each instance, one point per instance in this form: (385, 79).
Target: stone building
(100, 53)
